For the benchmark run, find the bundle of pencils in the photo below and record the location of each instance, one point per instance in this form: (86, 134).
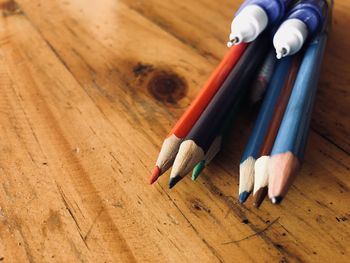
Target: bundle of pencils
(276, 146)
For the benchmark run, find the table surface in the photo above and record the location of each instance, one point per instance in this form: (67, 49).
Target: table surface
(89, 91)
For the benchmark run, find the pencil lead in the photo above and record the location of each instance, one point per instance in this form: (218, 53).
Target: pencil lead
(197, 170)
(260, 196)
(174, 180)
(276, 200)
(243, 196)
(155, 174)
(281, 53)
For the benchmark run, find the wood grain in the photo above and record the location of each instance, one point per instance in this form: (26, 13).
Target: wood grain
(90, 89)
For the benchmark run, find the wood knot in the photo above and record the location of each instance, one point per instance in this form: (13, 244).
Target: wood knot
(167, 87)
(161, 82)
(10, 8)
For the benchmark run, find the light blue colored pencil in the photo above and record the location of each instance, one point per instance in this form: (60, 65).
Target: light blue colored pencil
(289, 147)
(256, 140)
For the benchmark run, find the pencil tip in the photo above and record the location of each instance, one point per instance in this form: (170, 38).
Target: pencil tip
(243, 196)
(155, 174)
(197, 170)
(174, 180)
(276, 200)
(260, 196)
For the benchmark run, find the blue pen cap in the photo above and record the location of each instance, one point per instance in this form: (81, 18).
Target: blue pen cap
(253, 17)
(311, 12)
(275, 9)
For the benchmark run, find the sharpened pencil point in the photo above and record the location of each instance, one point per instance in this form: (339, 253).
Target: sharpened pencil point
(155, 175)
(260, 196)
(243, 196)
(276, 200)
(173, 181)
(197, 170)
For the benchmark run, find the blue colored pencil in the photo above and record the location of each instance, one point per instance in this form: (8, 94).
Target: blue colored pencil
(256, 140)
(288, 150)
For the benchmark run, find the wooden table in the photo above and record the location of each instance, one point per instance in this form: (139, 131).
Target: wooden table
(90, 89)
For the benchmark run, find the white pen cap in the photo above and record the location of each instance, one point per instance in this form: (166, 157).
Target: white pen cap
(248, 25)
(290, 37)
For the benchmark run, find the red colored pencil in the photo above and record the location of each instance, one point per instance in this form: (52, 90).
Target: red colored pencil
(184, 125)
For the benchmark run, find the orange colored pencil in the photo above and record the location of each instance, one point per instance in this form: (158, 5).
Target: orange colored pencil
(191, 115)
(188, 119)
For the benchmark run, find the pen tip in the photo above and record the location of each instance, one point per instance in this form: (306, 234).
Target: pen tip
(243, 196)
(276, 200)
(281, 53)
(233, 41)
(174, 180)
(155, 174)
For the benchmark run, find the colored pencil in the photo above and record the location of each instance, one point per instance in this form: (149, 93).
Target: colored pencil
(215, 146)
(188, 119)
(288, 150)
(260, 167)
(213, 150)
(263, 78)
(256, 140)
(197, 143)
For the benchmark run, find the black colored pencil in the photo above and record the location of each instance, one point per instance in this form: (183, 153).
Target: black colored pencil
(198, 141)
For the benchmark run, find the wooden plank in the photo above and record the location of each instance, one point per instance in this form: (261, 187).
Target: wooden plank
(203, 25)
(331, 117)
(82, 100)
(71, 212)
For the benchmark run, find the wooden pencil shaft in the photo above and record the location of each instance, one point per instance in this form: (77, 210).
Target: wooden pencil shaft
(280, 107)
(297, 117)
(223, 133)
(322, 38)
(261, 165)
(190, 155)
(172, 143)
(205, 129)
(213, 84)
(215, 146)
(264, 76)
(187, 155)
(235, 110)
(288, 150)
(266, 112)
(266, 70)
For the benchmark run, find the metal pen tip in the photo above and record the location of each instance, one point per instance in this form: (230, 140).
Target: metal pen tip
(233, 42)
(281, 53)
